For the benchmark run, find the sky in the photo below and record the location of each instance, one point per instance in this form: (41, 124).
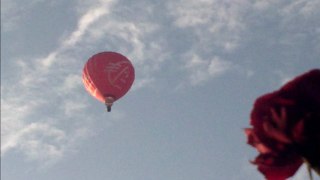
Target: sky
(199, 65)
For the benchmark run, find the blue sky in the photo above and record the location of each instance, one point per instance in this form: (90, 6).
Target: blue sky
(199, 64)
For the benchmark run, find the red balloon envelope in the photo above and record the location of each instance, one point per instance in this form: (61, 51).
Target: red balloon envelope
(108, 76)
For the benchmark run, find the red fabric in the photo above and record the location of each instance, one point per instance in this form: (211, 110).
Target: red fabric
(108, 74)
(286, 127)
(278, 167)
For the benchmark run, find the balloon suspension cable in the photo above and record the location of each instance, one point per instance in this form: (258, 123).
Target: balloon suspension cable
(108, 102)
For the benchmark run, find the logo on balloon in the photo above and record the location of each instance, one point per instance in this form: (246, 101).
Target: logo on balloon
(117, 73)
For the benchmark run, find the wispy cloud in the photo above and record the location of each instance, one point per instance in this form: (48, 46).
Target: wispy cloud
(307, 8)
(221, 21)
(43, 82)
(91, 16)
(56, 79)
(201, 70)
(194, 34)
(12, 12)
(231, 25)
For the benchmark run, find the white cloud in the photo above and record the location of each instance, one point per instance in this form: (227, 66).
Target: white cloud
(218, 66)
(201, 70)
(56, 79)
(306, 8)
(46, 62)
(140, 83)
(72, 107)
(13, 111)
(191, 13)
(219, 22)
(17, 129)
(41, 141)
(212, 28)
(294, 22)
(42, 82)
(38, 136)
(71, 82)
(91, 16)
(128, 33)
(262, 5)
(198, 70)
(225, 25)
(12, 12)
(31, 139)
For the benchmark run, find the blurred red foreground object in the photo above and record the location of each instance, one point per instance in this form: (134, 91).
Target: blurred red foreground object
(286, 127)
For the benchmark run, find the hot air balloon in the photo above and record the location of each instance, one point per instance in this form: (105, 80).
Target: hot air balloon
(108, 76)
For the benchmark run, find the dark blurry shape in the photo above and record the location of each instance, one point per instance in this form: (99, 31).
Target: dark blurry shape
(108, 76)
(286, 127)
